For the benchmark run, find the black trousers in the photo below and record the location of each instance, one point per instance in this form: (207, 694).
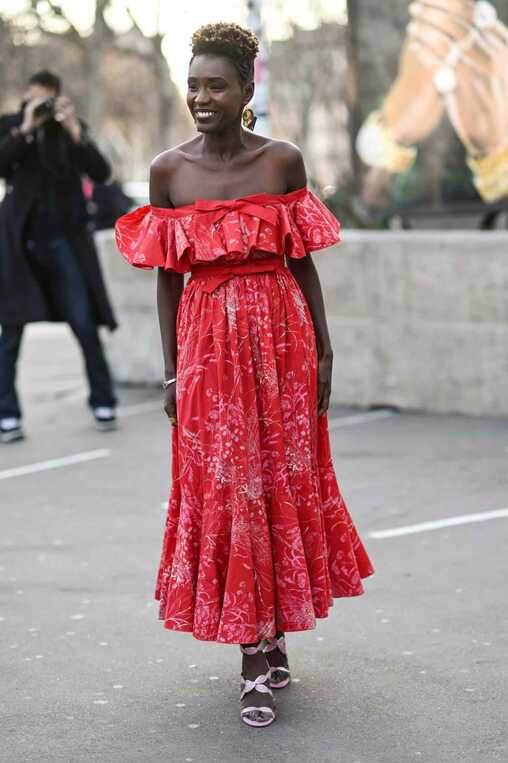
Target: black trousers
(56, 267)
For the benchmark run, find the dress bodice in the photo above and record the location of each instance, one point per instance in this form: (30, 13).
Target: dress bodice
(291, 224)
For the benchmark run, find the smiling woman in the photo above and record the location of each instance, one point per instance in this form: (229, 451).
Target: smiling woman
(258, 539)
(212, 53)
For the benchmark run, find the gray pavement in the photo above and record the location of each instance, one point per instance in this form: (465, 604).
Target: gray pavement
(415, 670)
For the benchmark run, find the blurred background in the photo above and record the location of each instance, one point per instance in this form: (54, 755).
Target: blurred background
(325, 66)
(125, 64)
(401, 111)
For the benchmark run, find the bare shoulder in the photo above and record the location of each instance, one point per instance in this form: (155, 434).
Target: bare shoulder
(170, 160)
(284, 149)
(289, 159)
(163, 169)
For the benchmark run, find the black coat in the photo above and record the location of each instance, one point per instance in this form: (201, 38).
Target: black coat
(22, 297)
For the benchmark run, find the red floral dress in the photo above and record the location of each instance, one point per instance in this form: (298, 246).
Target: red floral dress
(258, 537)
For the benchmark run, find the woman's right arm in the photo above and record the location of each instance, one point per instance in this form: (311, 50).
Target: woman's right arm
(169, 288)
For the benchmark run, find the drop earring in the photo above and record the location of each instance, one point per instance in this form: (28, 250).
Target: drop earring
(249, 118)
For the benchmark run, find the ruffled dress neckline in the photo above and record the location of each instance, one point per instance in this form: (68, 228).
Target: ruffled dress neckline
(230, 230)
(205, 205)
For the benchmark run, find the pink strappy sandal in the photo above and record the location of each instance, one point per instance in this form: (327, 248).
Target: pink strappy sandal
(251, 715)
(280, 675)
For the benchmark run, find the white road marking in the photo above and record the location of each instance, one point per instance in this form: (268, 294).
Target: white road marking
(437, 524)
(54, 463)
(359, 418)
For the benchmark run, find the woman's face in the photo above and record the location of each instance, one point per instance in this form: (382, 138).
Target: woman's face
(214, 95)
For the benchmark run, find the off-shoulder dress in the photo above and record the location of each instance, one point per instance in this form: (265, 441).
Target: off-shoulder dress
(258, 538)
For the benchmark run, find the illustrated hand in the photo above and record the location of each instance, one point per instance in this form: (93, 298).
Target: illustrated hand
(470, 46)
(65, 113)
(478, 108)
(170, 402)
(411, 110)
(413, 107)
(31, 121)
(436, 25)
(324, 382)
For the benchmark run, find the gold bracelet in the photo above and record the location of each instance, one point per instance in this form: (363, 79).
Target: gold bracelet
(486, 165)
(493, 190)
(490, 174)
(377, 147)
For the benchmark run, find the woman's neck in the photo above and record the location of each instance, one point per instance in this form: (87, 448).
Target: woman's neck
(224, 145)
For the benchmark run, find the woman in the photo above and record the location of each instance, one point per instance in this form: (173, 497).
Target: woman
(258, 539)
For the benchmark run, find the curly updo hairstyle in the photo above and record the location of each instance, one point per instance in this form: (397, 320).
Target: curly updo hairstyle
(238, 45)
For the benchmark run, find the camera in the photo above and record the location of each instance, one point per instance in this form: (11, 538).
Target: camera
(46, 108)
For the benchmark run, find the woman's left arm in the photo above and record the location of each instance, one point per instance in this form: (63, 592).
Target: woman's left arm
(305, 273)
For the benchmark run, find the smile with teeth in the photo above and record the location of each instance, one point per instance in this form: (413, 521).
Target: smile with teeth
(204, 114)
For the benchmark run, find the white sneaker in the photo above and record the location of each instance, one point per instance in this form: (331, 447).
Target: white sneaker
(105, 418)
(10, 430)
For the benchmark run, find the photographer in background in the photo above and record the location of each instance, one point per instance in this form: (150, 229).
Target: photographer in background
(49, 269)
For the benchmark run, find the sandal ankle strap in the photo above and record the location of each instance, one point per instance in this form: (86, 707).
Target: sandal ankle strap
(250, 650)
(276, 643)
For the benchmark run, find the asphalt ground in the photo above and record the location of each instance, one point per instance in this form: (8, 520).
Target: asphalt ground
(415, 670)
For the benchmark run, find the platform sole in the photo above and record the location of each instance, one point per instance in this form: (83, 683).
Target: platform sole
(281, 684)
(257, 724)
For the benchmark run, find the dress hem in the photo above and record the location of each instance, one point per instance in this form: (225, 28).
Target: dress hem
(288, 627)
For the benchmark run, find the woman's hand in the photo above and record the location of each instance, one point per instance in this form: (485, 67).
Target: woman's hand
(413, 107)
(325, 363)
(170, 402)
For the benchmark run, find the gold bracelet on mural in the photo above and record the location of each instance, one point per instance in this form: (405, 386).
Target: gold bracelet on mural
(490, 174)
(377, 147)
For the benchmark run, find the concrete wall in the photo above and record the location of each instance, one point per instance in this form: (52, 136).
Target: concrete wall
(419, 320)
(134, 349)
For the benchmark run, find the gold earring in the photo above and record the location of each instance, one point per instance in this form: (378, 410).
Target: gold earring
(249, 118)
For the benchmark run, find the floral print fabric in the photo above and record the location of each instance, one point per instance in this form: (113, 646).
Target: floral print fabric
(258, 537)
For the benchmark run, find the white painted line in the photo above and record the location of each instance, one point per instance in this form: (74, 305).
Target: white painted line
(54, 463)
(134, 410)
(359, 418)
(462, 519)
